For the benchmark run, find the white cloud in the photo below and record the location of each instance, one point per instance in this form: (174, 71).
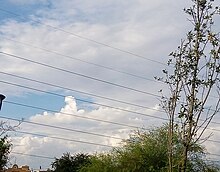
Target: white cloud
(28, 144)
(148, 28)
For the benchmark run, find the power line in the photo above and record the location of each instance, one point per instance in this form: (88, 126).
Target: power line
(81, 100)
(65, 88)
(80, 60)
(90, 63)
(69, 89)
(58, 127)
(77, 116)
(64, 139)
(79, 74)
(82, 75)
(86, 101)
(87, 39)
(120, 109)
(59, 138)
(47, 157)
(89, 118)
(32, 155)
(85, 142)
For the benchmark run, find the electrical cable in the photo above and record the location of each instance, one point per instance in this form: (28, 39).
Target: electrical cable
(120, 109)
(32, 155)
(87, 39)
(47, 157)
(82, 75)
(69, 89)
(77, 116)
(77, 91)
(87, 62)
(79, 74)
(54, 137)
(81, 100)
(89, 118)
(86, 101)
(65, 139)
(80, 60)
(58, 127)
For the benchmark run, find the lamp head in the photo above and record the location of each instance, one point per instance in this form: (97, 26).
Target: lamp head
(2, 97)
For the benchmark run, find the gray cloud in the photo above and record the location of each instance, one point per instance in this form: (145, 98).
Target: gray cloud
(150, 29)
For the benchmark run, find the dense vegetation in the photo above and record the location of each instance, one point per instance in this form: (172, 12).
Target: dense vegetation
(4, 151)
(144, 151)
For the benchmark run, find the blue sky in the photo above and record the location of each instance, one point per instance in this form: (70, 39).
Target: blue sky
(24, 9)
(36, 100)
(107, 40)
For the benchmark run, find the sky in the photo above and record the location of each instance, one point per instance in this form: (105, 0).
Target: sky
(78, 75)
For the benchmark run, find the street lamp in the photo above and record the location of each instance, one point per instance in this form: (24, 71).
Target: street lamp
(2, 97)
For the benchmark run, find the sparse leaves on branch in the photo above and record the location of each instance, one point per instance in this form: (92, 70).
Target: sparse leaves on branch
(194, 79)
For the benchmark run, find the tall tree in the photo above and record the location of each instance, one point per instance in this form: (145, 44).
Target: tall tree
(146, 151)
(5, 144)
(194, 82)
(70, 163)
(4, 151)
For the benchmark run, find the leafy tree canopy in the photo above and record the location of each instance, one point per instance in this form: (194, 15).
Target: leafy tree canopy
(4, 151)
(146, 151)
(70, 163)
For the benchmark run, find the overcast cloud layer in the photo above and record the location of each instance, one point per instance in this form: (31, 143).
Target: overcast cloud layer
(104, 48)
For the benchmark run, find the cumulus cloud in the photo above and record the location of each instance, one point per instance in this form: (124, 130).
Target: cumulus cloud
(48, 145)
(149, 29)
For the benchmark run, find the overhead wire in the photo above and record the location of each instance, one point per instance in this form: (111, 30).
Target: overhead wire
(58, 127)
(80, 60)
(40, 135)
(70, 114)
(59, 138)
(94, 119)
(87, 62)
(82, 100)
(127, 103)
(86, 38)
(81, 37)
(77, 91)
(50, 110)
(89, 39)
(48, 157)
(86, 101)
(64, 139)
(32, 155)
(79, 74)
(73, 140)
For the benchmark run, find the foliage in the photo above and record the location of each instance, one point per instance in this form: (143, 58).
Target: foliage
(146, 152)
(4, 151)
(101, 163)
(5, 143)
(195, 76)
(70, 163)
